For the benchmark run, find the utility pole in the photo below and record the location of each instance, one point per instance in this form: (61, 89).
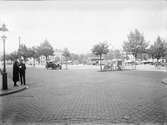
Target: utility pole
(19, 47)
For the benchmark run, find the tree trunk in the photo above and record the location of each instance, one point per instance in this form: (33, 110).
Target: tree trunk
(33, 61)
(100, 63)
(66, 64)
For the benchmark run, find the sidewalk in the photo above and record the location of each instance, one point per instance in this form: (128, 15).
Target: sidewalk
(150, 68)
(153, 68)
(11, 88)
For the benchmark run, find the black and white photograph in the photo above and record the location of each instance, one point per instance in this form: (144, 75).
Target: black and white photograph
(83, 62)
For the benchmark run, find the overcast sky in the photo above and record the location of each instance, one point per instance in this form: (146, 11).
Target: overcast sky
(78, 25)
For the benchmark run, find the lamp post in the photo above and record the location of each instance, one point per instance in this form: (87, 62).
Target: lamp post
(4, 74)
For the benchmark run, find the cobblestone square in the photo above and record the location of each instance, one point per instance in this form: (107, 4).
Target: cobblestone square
(75, 96)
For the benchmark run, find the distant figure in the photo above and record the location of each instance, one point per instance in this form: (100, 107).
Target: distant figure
(15, 73)
(22, 70)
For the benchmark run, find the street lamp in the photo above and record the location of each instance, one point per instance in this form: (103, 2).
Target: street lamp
(4, 74)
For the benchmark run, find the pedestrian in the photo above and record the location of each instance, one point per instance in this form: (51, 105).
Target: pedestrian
(22, 70)
(15, 73)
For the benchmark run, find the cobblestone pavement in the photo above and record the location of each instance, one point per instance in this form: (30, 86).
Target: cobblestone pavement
(88, 96)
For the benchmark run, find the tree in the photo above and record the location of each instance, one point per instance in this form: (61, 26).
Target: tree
(83, 58)
(67, 55)
(8, 57)
(57, 59)
(45, 49)
(23, 51)
(135, 44)
(33, 53)
(75, 58)
(99, 50)
(117, 54)
(151, 52)
(13, 56)
(113, 54)
(109, 55)
(158, 49)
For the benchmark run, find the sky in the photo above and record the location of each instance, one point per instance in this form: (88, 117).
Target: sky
(78, 25)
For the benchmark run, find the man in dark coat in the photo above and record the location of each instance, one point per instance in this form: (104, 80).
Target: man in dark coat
(15, 72)
(22, 69)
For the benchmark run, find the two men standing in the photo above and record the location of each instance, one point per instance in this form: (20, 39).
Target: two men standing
(19, 69)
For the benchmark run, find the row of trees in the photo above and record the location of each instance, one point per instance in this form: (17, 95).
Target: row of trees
(44, 49)
(135, 45)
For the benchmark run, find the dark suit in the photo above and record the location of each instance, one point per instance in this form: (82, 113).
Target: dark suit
(15, 73)
(22, 68)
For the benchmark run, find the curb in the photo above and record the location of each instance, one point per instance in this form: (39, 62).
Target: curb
(164, 81)
(13, 91)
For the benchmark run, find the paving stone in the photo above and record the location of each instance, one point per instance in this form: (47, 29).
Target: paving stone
(109, 97)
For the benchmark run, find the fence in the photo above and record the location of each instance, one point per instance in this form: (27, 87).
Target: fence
(119, 66)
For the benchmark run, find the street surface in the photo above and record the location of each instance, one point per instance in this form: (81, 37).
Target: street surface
(88, 96)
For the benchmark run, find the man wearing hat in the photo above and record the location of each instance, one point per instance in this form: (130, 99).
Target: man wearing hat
(22, 70)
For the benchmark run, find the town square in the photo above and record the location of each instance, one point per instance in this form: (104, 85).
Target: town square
(79, 62)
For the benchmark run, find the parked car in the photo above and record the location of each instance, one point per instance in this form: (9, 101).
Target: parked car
(53, 65)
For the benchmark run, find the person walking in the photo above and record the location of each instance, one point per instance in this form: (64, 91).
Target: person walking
(15, 73)
(22, 70)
